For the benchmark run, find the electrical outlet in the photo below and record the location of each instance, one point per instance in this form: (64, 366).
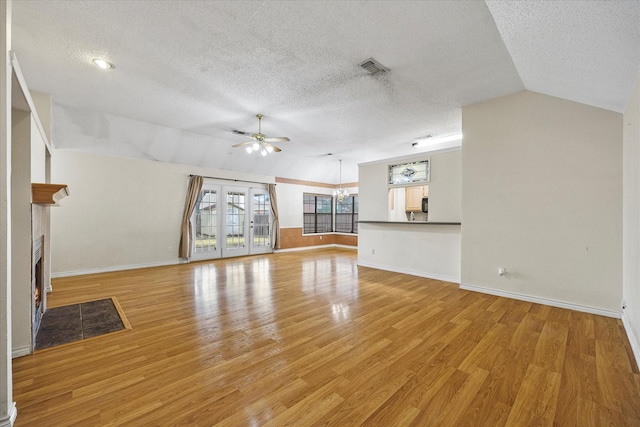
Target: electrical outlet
(623, 304)
(502, 271)
(373, 251)
(321, 237)
(170, 249)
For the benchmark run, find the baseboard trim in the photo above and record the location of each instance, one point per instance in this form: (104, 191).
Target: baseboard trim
(633, 340)
(116, 268)
(336, 245)
(543, 301)
(307, 248)
(10, 419)
(20, 351)
(410, 272)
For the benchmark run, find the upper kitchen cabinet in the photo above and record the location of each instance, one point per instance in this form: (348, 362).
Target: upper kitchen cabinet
(414, 196)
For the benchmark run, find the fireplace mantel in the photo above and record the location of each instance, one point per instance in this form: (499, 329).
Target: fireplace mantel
(48, 194)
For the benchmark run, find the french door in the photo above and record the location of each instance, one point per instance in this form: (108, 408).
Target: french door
(231, 221)
(260, 221)
(235, 223)
(205, 224)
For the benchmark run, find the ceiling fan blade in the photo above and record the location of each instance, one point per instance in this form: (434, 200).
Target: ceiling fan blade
(243, 144)
(276, 149)
(240, 132)
(277, 139)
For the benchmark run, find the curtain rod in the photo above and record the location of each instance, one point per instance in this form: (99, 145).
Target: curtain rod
(234, 180)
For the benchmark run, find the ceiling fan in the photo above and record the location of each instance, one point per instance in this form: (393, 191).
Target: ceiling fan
(259, 141)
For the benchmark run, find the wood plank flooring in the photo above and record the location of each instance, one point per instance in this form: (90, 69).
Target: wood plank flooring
(309, 338)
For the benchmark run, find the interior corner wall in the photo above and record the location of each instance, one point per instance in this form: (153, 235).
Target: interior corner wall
(121, 213)
(542, 197)
(631, 219)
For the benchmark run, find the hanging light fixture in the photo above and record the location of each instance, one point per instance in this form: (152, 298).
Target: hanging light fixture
(340, 193)
(260, 143)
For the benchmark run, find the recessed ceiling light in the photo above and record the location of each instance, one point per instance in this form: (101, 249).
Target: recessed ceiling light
(104, 64)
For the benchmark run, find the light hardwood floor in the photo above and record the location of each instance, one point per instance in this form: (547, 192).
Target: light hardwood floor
(309, 338)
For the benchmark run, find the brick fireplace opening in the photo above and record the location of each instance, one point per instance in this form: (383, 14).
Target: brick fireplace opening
(38, 285)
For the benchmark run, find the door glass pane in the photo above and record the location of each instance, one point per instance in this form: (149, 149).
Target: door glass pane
(205, 222)
(235, 219)
(261, 222)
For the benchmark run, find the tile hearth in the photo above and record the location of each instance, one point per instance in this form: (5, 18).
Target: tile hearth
(62, 325)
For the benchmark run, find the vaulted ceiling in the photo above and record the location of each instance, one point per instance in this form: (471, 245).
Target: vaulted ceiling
(189, 72)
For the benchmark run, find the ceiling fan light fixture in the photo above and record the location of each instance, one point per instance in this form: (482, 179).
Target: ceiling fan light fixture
(260, 142)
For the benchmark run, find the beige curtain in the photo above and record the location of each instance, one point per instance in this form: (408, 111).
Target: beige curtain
(195, 186)
(275, 229)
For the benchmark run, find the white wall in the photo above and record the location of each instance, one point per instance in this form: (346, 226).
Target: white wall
(121, 213)
(542, 197)
(445, 188)
(373, 200)
(419, 249)
(631, 220)
(397, 209)
(22, 128)
(38, 154)
(7, 405)
(42, 103)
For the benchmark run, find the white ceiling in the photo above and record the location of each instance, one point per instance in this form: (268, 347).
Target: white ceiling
(188, 72)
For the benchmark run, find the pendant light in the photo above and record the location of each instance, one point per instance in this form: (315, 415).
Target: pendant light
(340, 194)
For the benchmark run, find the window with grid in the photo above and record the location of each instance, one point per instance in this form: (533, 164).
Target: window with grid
(318, 214)
(347, 215)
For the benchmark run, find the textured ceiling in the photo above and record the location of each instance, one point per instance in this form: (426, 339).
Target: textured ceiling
(188, 72)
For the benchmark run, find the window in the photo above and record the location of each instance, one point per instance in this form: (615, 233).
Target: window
(347, 215)
(319, 218)
(318, 214)
(407, 173)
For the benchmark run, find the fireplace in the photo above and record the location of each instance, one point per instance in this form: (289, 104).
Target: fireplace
(37, 285)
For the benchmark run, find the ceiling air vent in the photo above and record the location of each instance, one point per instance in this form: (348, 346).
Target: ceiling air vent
(373, 67)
